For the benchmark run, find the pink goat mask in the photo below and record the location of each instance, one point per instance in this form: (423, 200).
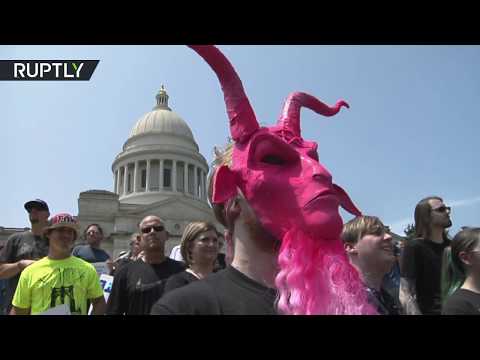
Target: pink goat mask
(292, 194)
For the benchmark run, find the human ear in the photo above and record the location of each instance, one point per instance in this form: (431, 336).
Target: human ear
(464, 257)
(350, 249)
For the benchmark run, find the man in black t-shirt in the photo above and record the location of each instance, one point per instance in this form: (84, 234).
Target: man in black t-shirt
(281, 211)
(139, 284)
(23, 249)
(420, 283)
(246, 287)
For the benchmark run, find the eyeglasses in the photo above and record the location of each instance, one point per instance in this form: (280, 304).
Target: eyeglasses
(443, 208)
(148, 229)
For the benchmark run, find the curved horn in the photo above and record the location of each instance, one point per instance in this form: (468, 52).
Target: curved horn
(240, 113)
(290, 116)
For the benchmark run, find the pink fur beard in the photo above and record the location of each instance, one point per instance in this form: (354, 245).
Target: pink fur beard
(316, 278)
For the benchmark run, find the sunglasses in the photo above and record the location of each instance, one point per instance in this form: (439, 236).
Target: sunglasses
(442, 209)
(155, 228)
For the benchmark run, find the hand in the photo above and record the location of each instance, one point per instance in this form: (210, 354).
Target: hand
(22, 264)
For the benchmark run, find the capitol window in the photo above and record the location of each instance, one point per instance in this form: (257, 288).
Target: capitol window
(144, 179)
(180, 176)
(167, 175)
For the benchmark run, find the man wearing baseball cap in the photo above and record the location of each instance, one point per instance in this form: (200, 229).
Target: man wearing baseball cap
(59, 278)
(23, 249)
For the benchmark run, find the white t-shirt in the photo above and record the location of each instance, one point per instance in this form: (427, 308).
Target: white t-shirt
(175, 254)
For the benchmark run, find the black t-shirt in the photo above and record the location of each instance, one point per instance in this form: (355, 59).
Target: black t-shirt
(178, 280)
(22, 246)
(227, 292)
(90, 254)
(220, 263)
(119, 263)
(422, 262)
(138, 285)
(462, 302)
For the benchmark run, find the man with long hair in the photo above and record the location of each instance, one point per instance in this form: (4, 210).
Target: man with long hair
(420, 283)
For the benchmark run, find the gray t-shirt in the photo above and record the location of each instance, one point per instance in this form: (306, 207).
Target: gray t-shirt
(21, 246)
(90, 254)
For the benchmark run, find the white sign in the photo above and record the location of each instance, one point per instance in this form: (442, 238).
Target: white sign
(101, 267)
(106, 282)
(58, 310)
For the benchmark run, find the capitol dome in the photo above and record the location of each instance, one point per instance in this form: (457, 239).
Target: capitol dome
(160, 160)
(161, 120)
(158, 171)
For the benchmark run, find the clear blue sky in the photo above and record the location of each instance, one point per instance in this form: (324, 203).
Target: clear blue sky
(412, 130)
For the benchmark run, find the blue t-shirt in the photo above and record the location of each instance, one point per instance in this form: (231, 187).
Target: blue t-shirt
(90, 254)
(391, 281)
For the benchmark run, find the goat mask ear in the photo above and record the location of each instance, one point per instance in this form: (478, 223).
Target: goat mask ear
(224, 185)
(345, 201)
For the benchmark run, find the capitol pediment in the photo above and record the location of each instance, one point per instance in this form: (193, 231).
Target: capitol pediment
(175, 207)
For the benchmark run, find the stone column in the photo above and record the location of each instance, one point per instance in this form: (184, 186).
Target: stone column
(200, 191)
(135, 176)
(115, 182)
(147, 183)
(204, 185)
(185, 180)
(117, 188)
(125, 174)
(195, 182)
(160, 179)
(174, 175)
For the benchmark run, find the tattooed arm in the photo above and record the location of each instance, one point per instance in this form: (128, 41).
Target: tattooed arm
(408, 297)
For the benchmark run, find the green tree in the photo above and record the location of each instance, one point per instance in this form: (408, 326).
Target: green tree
(409, 231)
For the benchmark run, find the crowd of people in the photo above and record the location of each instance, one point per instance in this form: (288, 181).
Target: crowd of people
(287, 249)
(428, 274)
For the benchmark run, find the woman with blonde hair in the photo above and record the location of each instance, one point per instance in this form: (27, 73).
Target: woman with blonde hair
(199, 248)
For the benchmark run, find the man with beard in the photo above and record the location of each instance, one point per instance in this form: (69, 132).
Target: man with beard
(247, 286)
(420, 282)
(280, 208)
(23, 249)
(139, 284)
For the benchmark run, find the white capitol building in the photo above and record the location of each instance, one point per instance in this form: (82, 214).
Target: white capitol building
(159, 171)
